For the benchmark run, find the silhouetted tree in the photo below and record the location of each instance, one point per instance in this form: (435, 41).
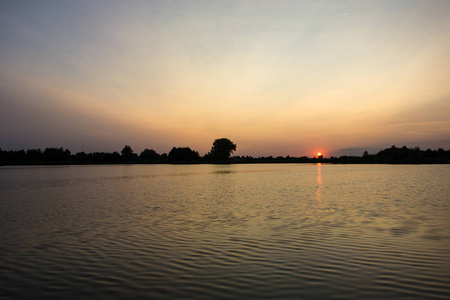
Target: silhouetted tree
(127, 153)
(81, 156)
(34, 154)
(56, 154)
(149, 155)
(221, 149)
(163, 157)
(182, 154)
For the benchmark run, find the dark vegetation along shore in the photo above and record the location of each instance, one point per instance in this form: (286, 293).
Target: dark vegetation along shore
(220, 153)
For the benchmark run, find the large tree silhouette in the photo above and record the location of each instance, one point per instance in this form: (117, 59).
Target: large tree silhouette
(221, 149)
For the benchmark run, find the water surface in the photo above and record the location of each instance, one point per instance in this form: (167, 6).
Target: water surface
(225, 231)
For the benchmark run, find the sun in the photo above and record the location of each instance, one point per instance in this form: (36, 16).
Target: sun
(319, 153)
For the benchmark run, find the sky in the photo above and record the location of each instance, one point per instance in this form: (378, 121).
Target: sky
(275, 77)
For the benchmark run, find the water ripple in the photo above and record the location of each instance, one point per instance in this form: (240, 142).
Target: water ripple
(225, 232)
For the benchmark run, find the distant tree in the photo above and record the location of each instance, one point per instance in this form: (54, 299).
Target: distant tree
(221, 149)
(127, 153)
(115, 156)
(183, 154)
(3, 155)
(34, 154)
(163, 157)
(80, 156)
(56, 154)
(149, 155)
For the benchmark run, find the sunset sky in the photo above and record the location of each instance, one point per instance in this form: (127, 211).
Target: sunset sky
(275, 77)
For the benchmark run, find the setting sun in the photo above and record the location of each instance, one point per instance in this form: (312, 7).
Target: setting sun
(319, 154)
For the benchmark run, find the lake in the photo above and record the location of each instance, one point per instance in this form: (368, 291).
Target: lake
(262, 231)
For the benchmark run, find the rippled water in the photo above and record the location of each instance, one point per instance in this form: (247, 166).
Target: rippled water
(225, 231)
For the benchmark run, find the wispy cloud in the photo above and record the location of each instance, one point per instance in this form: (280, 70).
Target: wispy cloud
(340, 15)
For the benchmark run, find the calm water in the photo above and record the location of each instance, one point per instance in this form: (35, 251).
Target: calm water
(225, 231)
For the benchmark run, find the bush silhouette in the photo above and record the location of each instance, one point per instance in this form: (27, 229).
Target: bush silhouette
(149, 155)
(182, 154)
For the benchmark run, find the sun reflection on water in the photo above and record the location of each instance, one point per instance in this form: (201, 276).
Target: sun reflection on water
(318, 189)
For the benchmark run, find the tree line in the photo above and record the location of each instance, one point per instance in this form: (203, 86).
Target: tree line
(392, 155)
(220, 152)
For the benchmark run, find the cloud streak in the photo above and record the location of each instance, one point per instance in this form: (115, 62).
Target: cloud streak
(340, 15)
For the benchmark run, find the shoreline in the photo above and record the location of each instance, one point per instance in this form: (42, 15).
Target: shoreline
(218, 163)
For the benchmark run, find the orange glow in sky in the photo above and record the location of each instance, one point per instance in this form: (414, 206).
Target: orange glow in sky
(342, 76)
